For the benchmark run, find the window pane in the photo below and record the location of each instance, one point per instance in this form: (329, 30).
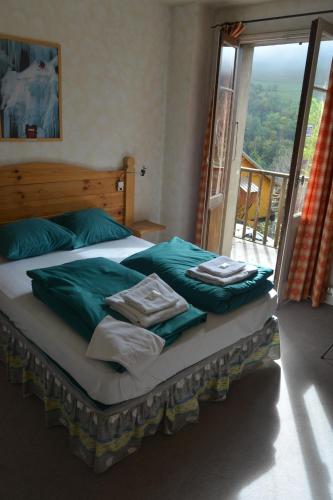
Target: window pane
(222, 118)
(223, 109)
(227, 67)
(324, 63)
(316, 111)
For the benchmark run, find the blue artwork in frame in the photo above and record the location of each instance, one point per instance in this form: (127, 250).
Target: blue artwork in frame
(30, 89)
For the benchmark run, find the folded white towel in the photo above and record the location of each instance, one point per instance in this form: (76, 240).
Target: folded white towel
(133, 347)
(210, 279)
(151, 295)
(118, 303)
(222, 266)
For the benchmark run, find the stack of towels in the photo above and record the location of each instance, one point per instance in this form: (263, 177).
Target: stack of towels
(149, 302)
(131, 345)
(222, 271)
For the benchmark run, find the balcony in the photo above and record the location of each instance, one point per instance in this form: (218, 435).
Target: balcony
(256, 253)
(260, 212)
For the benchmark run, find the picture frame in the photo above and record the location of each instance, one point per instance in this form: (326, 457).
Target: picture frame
(30, 90)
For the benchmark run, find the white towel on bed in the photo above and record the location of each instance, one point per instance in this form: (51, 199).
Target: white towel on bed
(222, 266)
(210, 279)
(118, 303)
(151, 295)
(133, 347)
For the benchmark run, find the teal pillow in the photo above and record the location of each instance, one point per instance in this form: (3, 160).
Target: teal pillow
(92, 225)
(31, 237)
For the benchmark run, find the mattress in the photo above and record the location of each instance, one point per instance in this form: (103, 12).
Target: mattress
(51, 334)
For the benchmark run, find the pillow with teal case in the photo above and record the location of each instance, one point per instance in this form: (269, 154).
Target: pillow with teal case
(32, 237)
(92, 225)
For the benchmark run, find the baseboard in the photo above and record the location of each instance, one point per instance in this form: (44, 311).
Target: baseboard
(329, 296)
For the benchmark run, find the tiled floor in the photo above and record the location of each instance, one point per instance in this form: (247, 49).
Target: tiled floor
(254, 253)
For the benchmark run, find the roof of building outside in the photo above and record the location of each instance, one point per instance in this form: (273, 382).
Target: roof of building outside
(249, 159)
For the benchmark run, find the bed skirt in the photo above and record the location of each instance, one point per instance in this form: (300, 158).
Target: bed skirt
(103, 435)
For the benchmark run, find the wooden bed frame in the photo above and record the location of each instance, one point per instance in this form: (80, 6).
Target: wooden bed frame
(103, 435)
(48, 189)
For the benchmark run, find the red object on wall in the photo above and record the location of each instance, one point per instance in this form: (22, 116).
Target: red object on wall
(31, 131)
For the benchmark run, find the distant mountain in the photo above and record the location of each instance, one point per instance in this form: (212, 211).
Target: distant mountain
(286, 63)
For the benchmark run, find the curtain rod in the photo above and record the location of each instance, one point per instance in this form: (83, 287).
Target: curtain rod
(276, 18)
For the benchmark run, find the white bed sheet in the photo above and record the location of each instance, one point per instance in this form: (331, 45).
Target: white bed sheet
(51, 334)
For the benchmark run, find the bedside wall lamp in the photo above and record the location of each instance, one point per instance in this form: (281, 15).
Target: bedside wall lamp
(129, 169)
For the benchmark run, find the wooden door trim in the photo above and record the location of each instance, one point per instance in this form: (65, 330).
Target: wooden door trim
(223, 37)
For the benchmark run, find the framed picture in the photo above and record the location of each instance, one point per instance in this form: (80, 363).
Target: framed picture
(30, 90)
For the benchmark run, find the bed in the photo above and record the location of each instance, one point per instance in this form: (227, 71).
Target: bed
(105, 412)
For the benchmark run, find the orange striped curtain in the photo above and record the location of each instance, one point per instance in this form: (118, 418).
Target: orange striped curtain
(199, 227)
(234, 30)
(313, 251)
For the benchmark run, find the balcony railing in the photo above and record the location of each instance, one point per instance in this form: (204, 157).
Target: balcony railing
(260, 205)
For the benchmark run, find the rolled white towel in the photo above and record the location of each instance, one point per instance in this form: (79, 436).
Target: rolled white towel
(151, 295)
(222, 266)
(133, 347)
(210, 279)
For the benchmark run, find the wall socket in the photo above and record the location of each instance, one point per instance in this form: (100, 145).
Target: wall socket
(120, 186)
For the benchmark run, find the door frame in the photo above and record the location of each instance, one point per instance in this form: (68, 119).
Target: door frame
(219, 199)
(243, 74)
(289, 226)
(253, 41)
(241, 104)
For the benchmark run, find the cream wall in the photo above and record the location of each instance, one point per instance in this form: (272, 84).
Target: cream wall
(114, 69)
(187, 108)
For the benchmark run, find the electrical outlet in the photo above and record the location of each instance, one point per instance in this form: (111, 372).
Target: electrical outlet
(120, 186)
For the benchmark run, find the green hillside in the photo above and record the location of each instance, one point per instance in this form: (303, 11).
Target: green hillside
(286, 89)
(271, 124)
(276, 84)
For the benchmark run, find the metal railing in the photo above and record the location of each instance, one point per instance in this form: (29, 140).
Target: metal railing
(260, 205)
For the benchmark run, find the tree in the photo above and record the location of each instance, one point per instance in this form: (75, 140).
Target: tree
(270, 126)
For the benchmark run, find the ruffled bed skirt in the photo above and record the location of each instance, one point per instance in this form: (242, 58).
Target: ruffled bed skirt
(103, 435)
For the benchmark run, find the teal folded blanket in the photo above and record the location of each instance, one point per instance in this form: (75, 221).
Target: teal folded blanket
(171, 260)
(76, 292)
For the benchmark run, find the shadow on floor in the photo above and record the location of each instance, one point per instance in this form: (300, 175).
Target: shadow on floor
(271, 439)
(233, 439)
(306, 332)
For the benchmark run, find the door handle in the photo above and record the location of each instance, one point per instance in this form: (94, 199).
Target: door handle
(301, 179)
(236, 139)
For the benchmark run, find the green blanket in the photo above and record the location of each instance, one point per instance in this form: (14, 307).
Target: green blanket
(76, 292)
(171, 260)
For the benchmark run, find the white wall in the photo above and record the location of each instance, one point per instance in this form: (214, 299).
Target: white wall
(114, 69)
(187, 109)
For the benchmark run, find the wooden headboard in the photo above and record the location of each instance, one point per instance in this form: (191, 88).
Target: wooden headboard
(47, 189)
